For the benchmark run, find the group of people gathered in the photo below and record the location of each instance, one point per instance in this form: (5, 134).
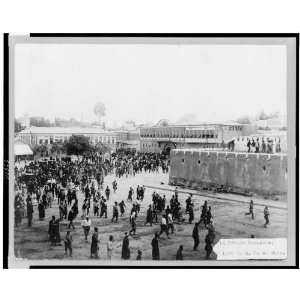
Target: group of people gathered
(62, 183)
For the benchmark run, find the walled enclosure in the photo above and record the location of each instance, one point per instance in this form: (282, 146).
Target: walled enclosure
(264, 174)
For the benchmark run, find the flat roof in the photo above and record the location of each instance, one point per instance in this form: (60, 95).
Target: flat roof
(195, 125)
(65, 130)
(22, 149)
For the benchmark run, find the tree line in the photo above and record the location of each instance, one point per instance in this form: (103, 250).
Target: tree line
(76, 145)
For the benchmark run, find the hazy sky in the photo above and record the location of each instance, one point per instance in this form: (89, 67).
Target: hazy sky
(146, 83)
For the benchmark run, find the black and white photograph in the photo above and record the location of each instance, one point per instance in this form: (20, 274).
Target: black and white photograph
(158, 150)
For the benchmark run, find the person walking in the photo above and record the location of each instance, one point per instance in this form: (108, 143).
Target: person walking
(130, 194)
(96, 208)
(41, 209)
(196, 236)
(125, 247)
(122, 207)
(249, 145)
(133, 225)
(103, 206)
(266, 216)
(149, 216)
(170, 222)
(179, 255)
(208, 246)
(191, 213)
(71, 217)
(57, 232)
(163, 226)
(110, 247)
(86, 225)
(139, 255)
(251, 210)
(107, 193)
(115, 185)
(29, 212)
(95, 244)
(155, 247)
(51, 231)
(115, 213)
(188, 202)
(68, 243)
(208, 218)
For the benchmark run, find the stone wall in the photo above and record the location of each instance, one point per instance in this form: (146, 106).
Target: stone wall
(264, 174)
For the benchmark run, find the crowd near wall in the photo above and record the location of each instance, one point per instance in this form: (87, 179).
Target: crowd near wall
(264, 174)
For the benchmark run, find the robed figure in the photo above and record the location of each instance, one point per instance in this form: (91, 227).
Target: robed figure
(155, 248)
(125, 247)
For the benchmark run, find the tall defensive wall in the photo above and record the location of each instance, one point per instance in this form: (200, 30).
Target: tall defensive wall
(264, 174)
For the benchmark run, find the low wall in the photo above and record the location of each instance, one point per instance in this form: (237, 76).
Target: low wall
(264, 174)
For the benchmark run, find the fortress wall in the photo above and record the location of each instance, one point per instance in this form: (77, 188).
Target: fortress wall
(255, 172)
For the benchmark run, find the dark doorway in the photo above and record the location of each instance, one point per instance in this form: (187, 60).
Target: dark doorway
(167, 149)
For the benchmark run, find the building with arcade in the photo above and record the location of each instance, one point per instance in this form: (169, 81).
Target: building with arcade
(164, 136)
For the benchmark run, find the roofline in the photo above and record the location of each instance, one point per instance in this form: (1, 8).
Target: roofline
(195, 125)
(62, 130)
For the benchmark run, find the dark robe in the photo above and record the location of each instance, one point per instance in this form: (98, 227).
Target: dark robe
(57, 231)
(51, 231)
(125, 248)
(122, 207)
(155, 249)
(94, 245)
(29, 210)
(179, 255)
(208, 247)
(196, 233)
(41, 211)
(191, 214)
(149, 217)
(71, 215)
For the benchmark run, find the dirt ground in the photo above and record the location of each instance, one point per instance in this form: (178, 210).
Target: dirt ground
(229, 221)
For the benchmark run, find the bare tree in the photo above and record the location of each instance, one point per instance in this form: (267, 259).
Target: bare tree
(99, 110)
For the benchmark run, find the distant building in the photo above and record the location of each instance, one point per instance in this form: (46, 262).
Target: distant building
(164, 136)
(276, 122)
(50, 135)
(129, 140)
(24, 121)
(121, 139)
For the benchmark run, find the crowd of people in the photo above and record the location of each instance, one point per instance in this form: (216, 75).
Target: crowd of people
(263, 146)
(62, 183)
(254, 145)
